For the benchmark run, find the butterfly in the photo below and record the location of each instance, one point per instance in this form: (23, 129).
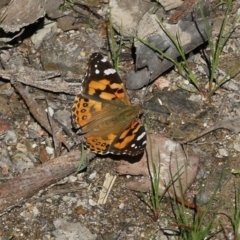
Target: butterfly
(104, 113)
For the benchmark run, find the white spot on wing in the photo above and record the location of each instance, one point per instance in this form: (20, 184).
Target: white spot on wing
(103, 60)
(141, 136)
(109, 71)
(97, 71)
(133, 145)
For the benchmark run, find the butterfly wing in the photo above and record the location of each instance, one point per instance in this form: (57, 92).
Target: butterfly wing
(132, 141)
(102, 82)
(105, 114)
(101, 86)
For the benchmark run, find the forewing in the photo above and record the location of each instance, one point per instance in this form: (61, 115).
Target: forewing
(102, 82)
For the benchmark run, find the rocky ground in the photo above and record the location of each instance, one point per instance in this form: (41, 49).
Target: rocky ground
(47, 49)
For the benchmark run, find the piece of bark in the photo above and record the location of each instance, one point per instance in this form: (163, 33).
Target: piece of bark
(185, 8)
(19, 14)
(14, 191)
(189, 33)
(16, 15)
(39, 79)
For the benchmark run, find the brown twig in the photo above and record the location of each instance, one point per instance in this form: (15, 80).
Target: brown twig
(89, 7)
(56, 140)
(40, 115)
(38, 112)
(231, 124)
(14, 191)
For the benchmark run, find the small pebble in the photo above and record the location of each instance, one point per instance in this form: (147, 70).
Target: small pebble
(92, 175)
(92, 202)
(35, 211)
(223, 152)
(50, 111)
(49, 150)
(72, 179)
(236, 146)
(10, 138)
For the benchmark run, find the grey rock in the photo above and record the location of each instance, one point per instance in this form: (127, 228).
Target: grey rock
(145, 27)
(71, 231)
(10, 138)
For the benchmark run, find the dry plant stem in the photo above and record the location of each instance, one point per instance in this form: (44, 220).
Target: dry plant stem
(186, 203)
(14, 191)
(89, 7)
(107, 186)
(232, 125)
(59, 192)
(57, 144)
(55, 134)
(39, 114)
(190, 205)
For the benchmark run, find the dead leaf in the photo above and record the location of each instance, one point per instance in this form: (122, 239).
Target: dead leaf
(174, 166)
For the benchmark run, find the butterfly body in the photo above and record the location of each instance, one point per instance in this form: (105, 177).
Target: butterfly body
(104, 113)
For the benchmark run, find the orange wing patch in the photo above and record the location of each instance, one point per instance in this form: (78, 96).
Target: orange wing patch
(128, 135)
(83, 110)
(99, 144)
(97, 85)
(107, 90)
